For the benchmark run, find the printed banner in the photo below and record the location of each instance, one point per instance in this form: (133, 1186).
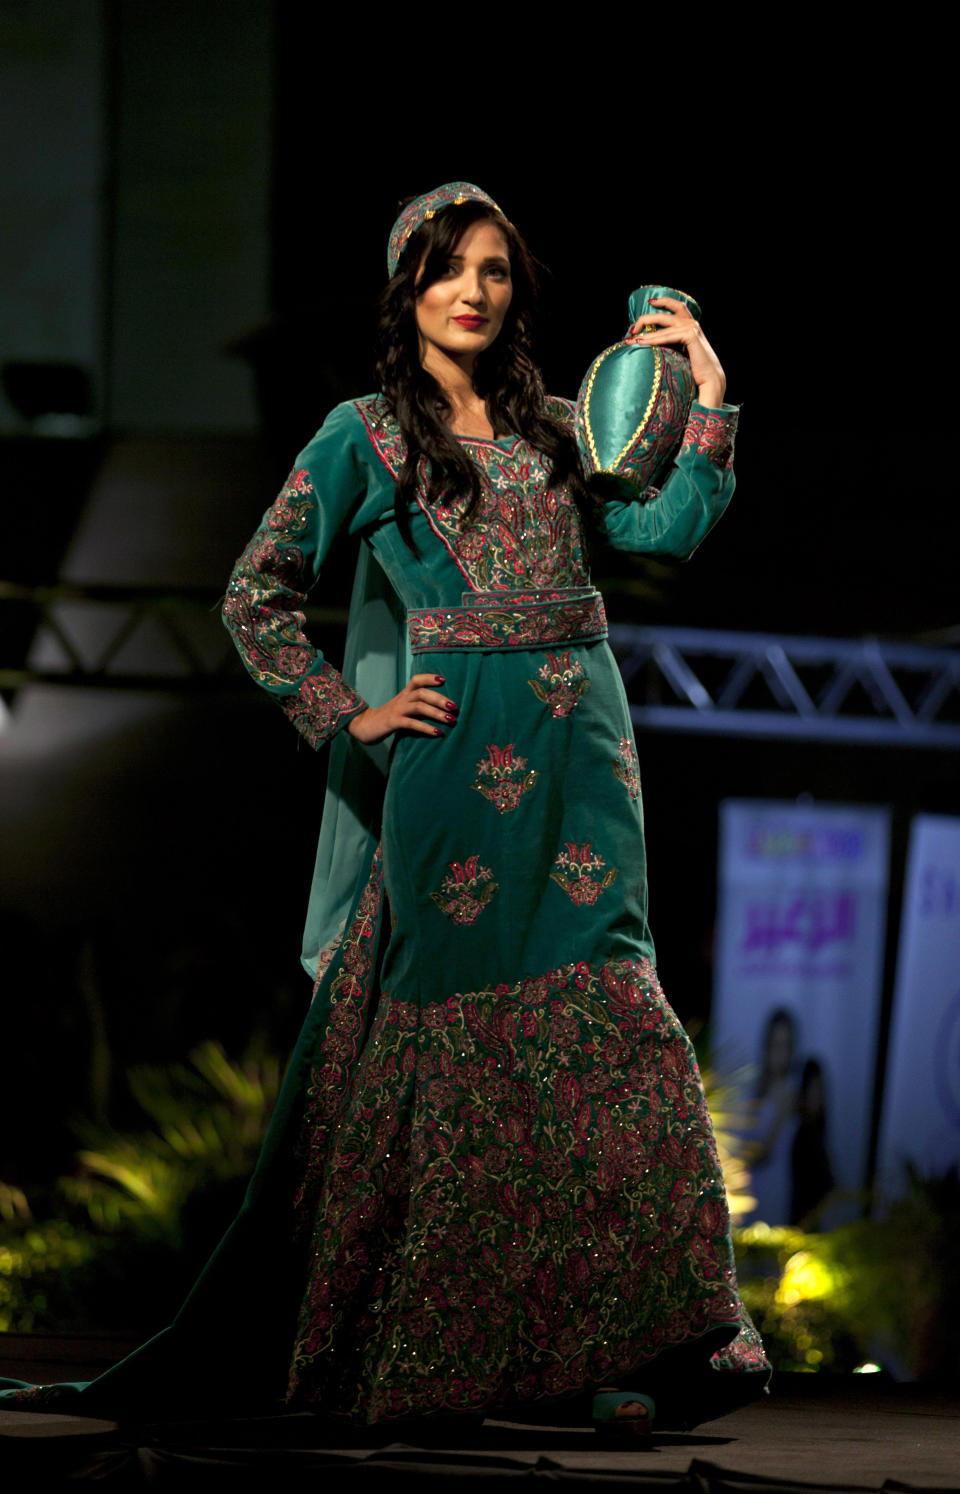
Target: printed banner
(798, 985)
(920, 1120)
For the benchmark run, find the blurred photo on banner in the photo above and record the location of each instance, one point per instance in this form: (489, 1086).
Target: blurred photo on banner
(797, 994)
(920, 1118)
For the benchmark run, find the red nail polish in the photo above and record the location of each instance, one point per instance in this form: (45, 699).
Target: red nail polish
(450, 705)
(452, 720)
(440, 678)
(437, 732)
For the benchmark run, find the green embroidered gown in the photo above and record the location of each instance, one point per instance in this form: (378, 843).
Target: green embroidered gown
(491, 1181)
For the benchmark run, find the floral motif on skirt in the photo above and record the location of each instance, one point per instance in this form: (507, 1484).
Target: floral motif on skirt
(574, 872)
(560, 684)
(502, 777)
(465, 890)
(627, 767)
(522, 1200)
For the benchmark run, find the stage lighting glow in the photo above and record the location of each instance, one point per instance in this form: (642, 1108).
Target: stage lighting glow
(806, 1278)
(869, 1368)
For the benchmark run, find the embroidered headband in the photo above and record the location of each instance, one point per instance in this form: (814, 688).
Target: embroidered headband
(417, 212)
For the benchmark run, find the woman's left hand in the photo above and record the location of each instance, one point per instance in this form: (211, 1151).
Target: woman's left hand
(677, 325)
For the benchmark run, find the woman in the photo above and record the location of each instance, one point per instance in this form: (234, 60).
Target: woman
(774, 1120)
(492, 1150)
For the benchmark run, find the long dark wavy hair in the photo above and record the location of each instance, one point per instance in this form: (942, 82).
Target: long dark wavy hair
(506, 375)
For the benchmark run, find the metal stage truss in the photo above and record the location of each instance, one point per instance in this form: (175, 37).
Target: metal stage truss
(677, 679)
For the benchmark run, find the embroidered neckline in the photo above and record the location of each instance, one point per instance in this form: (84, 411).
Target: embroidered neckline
(488, 440)
(523, 533)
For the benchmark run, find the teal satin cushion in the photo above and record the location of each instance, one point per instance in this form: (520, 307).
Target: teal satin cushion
(634, 403)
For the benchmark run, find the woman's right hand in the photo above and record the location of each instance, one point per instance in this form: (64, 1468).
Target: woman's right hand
(405, 712)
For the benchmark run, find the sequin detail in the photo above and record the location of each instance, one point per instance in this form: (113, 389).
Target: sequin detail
(712, 436)
(574, 871)
(503, 778)
(508, 620)
(627, 767)
(417, 212)
(261, 612)
(465, 890)
(523, 1200)
(523, 531)
(349, 997)
(561, 683)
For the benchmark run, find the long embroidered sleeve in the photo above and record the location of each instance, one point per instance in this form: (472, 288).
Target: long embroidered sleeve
(270, 581)
(674, 519)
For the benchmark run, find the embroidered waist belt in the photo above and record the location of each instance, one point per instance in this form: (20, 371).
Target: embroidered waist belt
(496, 620)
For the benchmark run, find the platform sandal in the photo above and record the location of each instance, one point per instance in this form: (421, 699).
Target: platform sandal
(610, 1421)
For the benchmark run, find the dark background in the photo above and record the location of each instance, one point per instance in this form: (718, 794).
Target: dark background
(244, 172)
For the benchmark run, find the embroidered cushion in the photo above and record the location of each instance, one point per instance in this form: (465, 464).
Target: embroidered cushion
(633, 405)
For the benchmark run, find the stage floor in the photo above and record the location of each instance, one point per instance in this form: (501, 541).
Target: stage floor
(823, 1434)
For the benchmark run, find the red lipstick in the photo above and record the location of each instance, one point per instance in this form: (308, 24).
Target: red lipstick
(471, 322)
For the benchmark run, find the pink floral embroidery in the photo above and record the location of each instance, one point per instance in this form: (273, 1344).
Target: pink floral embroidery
(465, 890)
(744, 1355)
(320, 704)
(564, 683)
(523, 532)
(501, 778)
(575, 868)
(327, 953)
(711, 436)
(627, 767)
(518, 622)
(348, 997)
(267, 586)
(525, 1176)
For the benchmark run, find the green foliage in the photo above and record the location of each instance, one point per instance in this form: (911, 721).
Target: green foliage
(728, 1111)
(903, 1291)
(34, 1258)
(794, 1285)
(142, 1208)
(882, 1288)
(13, 1202)
(209, 1120)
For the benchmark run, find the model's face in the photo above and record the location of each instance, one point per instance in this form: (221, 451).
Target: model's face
(462, 313)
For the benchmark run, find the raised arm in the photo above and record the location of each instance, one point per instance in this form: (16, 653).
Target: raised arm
(673, 519)
(270, 581)
(700, 484)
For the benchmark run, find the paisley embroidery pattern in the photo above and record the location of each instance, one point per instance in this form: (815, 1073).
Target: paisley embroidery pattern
(384, 432)
(267, 584)
(501, 778)
(465, 890)
(660, 436)
(561, 683)
(328, 952)
(523, 1199)
(57, 1397)
(523, 532)
(574, 873)
(627, 767)
(744, 1353)
(321, 704)
(349, 997)
(527, 622)
(711, 436)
